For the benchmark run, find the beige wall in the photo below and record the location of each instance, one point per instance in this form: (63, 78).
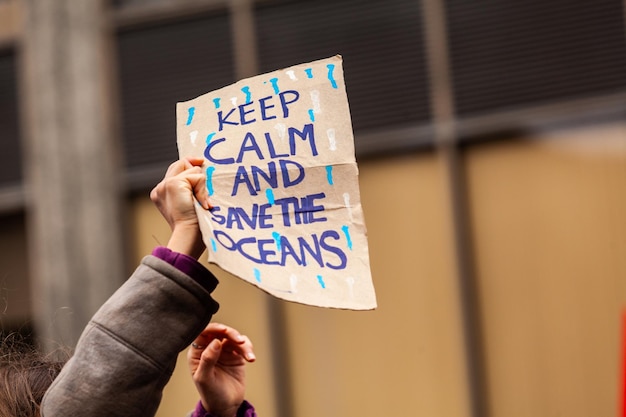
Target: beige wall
(406, 357)
(549, 219)
(549, 234)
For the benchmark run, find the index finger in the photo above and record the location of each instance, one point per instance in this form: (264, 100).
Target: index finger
(240, 343)
(218, 330)
(182, 165)
(192, 161)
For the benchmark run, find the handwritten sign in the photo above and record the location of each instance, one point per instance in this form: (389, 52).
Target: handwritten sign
(283, 180)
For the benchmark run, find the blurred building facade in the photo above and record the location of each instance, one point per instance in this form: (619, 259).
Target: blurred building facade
(491, 141)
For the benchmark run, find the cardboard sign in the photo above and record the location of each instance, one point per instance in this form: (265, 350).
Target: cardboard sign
(283, 180)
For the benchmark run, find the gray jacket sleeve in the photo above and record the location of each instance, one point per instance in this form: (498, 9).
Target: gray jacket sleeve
(128, 351)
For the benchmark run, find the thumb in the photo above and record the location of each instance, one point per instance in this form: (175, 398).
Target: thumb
(209, 358)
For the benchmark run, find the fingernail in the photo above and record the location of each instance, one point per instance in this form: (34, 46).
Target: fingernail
(215, 345)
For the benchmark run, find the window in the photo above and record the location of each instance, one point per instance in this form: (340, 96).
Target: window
(508, 54)
(382, 48)
(160, 66)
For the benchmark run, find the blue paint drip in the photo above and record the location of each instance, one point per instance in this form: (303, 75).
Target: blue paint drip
(257, 275)
(311, 115)
(209, 137)
(216, 102)
(270, 196)
(213, 245)
(276, 237)
(209, 179)
(274, 82)
(309, 72)
(191, 111)
(246, 91)
(331, 67)
(329, 174)
(321, 281)
(347, 233)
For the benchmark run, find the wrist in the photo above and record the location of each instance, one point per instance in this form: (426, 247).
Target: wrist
(186, 240)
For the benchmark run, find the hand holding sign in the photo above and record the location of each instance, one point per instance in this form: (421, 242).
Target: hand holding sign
(283, 180)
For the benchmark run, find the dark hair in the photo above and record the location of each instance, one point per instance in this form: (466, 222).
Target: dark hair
(25, 375)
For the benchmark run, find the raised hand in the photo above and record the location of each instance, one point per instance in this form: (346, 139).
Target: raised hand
(217, 360)
(175, 196)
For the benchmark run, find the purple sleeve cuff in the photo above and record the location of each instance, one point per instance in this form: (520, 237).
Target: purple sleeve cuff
(187, 265)
(245, 410)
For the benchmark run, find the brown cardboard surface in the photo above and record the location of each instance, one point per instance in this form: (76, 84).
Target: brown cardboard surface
(283, 180)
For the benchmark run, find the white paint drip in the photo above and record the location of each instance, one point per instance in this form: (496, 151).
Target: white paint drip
(315, 98)
(193, 136)
(293, 280)
(234, 101)
(282, 130)
(346, 200)
(332, 143)
(292, 75)
(350, 281)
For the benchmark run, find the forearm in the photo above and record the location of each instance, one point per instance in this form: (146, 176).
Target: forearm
(129, 349)
(186, 239)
